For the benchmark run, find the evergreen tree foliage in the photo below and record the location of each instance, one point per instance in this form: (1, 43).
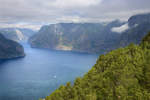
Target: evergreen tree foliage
(122, 74)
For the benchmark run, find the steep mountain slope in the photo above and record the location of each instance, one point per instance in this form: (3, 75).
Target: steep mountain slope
(90, 37)
(86, 37)
(139, 25)
(27, 32)
(17, 34)
(138, 19)
(10, 49)
(122, 74)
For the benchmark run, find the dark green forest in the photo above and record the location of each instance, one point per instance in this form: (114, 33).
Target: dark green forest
(122, 74)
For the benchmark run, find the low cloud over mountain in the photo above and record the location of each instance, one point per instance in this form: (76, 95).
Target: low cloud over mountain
(54, 11)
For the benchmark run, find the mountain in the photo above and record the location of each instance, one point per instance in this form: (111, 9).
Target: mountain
(139, 19)
(80, 37)
(17, 34)
(27, 32)
(139, 25)
(91, 37)
(10, 49)
(121, 74)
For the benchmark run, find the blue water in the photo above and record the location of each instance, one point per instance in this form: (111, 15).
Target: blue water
(41, 72)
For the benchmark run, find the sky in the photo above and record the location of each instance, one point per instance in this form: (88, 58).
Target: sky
(35, 13)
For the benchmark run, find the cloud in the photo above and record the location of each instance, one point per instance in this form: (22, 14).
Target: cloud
(120, 29)
(35, 27)
(55, 11)
(74, 3)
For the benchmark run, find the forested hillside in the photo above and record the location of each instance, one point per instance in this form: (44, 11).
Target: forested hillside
(122, 74)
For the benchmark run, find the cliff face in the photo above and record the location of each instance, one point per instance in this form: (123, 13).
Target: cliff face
(90, 37)
(10, 49)
(87, 37)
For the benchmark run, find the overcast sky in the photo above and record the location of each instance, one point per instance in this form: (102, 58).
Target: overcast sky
(34, 13)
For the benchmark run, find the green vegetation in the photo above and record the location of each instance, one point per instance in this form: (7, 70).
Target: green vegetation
(146, 38)
(146, 41)
(122, 74)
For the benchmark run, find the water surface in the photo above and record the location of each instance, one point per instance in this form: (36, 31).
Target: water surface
(41, 72)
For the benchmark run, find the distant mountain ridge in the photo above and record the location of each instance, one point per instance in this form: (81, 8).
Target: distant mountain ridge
(139, 19)
(17, 34)
(139, 26)
(10, 49)
(92, 37)
(80, 37)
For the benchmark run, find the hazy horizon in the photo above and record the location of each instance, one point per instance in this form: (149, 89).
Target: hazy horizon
(35, 13)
